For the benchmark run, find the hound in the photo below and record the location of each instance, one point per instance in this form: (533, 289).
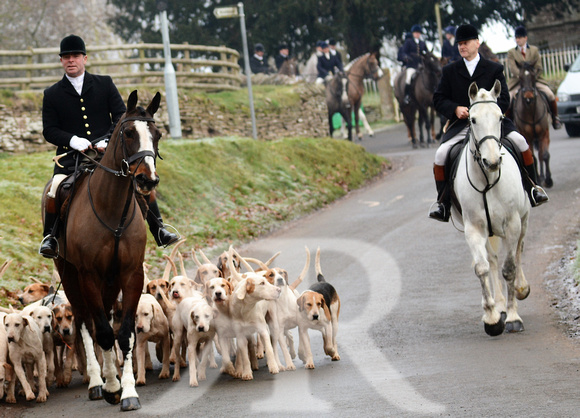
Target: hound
(318, 308)
(151, 325)
(287, 309)
(205, 271)
(43, 317)
(25, 350)
(5, 367)
(219, 292)
(223, 265)
(249, 307)
(33, 292)
(63, 336)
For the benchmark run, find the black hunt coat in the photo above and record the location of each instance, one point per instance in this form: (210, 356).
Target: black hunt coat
(453, 87)
(90, 115)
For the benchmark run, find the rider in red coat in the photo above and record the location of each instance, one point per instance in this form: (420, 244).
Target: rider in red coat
(452, 100)
(79, 112)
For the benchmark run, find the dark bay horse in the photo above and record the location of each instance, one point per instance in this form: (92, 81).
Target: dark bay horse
(289, 67)
(366, 65)
(103, 248)
(425, 82)
(532, 118)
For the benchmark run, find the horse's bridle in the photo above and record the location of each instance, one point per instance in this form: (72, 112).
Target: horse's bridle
(477, 157)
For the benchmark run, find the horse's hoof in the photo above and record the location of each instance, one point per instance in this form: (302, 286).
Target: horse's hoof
(494, 330)
(514, 326)
(130, 404)
(112, 397)
(522, 294)
(96, 393)
(423, 145)
(548, 183)
(415, 146)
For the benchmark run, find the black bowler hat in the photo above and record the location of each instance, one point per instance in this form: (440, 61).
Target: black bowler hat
(521, 32)
(465, 33)
(72, 44)
(259, 48)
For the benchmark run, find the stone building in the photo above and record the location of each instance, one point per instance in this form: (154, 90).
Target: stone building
(555, 27)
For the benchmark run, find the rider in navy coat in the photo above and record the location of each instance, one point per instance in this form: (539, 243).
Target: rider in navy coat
(413, 49)
(449, 49)
(327, 63)
(78, 112)
(451, 98)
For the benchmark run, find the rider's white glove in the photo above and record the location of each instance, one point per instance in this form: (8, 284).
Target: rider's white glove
(102, 143)
(80, 144)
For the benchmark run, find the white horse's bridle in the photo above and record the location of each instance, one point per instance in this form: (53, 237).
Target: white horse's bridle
(477, 157)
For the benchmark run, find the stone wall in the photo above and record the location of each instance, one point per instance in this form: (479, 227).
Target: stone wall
(21, 128)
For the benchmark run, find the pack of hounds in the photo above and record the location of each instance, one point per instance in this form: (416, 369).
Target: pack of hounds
(246, 316)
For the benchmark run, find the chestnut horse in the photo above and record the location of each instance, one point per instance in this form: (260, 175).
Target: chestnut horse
(103, 248)
(425, 82)
(531, 116)
(366, 65)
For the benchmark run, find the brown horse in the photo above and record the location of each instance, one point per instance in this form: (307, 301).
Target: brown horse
(487, 53)
(289, 67)
(532, 118)
(103, 248)
(366, 65)
(425, 82)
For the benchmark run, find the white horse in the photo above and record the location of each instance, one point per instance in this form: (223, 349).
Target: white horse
(494, 210)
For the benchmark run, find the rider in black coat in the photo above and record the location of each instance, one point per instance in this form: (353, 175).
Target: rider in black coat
(77, 113)
(449, 49)
(451, 98)
(328, 63)
(258, 62)
(412, 51)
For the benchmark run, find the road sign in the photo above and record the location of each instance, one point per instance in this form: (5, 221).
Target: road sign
(225, 12)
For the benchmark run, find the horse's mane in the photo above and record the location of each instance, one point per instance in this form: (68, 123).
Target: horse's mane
(354, 61)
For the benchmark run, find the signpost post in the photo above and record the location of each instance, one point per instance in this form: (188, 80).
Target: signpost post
(233, 11)
(169, 75)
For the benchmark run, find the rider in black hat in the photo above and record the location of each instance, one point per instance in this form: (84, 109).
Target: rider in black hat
(413, 48)
(449, 49)
(283, 55)
(451, 98)
(258, 62)
(328, 64)
(525, 53)
(77, 113)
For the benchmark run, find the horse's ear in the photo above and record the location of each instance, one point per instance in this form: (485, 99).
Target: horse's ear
(132, 101)
(154, 105)
(473, 91)
(496, 89)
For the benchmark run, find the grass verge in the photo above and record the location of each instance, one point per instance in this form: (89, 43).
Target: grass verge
(215, 192)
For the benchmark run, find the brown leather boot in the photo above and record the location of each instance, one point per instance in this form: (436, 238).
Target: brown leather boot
(442, 209)
(556, 124)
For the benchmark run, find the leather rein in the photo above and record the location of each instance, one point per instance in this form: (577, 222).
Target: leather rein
(477, 157)
(123, 172)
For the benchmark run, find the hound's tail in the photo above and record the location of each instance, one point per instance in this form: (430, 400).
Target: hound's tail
(319, 275)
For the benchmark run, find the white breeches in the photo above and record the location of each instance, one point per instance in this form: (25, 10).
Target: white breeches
(56, 180)
(409, 75)
(443, 150)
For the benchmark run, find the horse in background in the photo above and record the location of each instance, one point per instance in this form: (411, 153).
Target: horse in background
(337, 101)
(532, 118)
(289, 67)
(494, 208)
(103, 249)
(487, 53)
(366, 65)
(423, 86)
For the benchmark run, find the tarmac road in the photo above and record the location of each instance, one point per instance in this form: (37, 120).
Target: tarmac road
(411, 338)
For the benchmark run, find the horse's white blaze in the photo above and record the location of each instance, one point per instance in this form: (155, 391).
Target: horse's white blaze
(93, 368)
(128, 378)
(344, 96)
(146, 144)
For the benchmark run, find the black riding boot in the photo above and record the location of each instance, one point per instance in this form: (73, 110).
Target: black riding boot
(162, 236)
(536, 194)
(442, 209)
(49, 245)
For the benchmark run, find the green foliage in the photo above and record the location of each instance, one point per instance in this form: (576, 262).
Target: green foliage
(215, 192)
(361, 25)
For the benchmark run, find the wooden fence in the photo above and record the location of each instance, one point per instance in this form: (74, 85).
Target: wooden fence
(553, 61)
(203, 67)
